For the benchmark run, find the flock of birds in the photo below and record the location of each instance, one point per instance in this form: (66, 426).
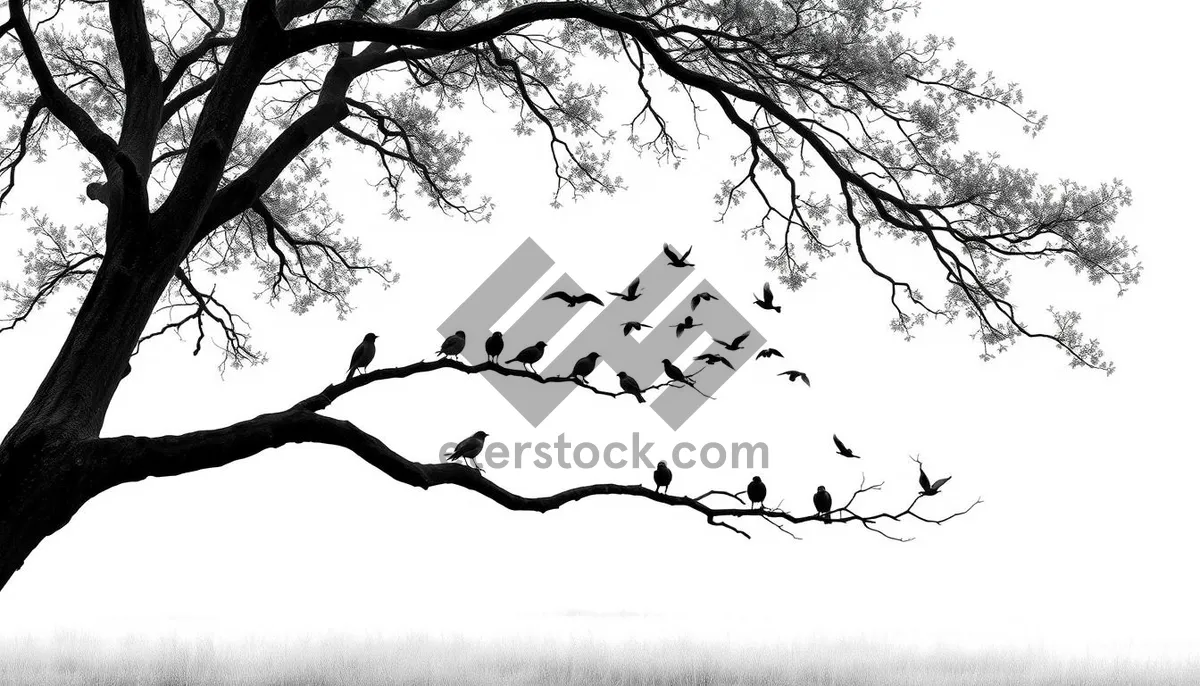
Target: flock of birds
(756, 491)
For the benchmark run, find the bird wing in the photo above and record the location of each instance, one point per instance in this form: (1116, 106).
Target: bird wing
(589, 298)
(738, 341)
(840, 446)
(696, 301)
(790, 375)
(685, 255)
(633, 285)
(767, 294)
(679, 328)
(670, 253)
(724, 361)
(628, 326)
(560, 295)
(356, 358)
(924, 480)
(804, 378)
(940, 482)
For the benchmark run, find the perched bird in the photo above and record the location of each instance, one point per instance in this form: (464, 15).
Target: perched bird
(736, 344)
(709, 358)
(630, 293)
(684, 326)
(842, 449)
(493, 346)
(702, 296)
(792, 374)
(630, 386)
(662, 477)
(573, 300)
(926, 488)
(768, 299)
(530, 355)
(454, 345)
(824, 503)
(584, 366)
(363, 354)
(676, 374)
(756, 490)
(634, 326)
(468, 448)
(676, 260)
(769, 352)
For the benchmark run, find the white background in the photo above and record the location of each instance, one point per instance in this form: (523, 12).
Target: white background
(1085, 541)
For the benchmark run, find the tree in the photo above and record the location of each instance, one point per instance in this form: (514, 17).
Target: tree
(205, 123)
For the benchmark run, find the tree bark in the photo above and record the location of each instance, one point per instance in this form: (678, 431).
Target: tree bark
(47, 470)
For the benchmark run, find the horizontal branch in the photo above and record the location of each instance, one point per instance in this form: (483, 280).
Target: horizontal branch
(127, 458)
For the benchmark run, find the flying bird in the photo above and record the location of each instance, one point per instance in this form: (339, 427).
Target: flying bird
(792, 374)
(662, 477)
(676, 260)
(769, 352)
(530, 355)
(768, 299)
(736, 344)
(630, 386)
(926, 487)
(573, 300)
(684, 326)
(630, 293)
(584, 366)
(493, 346)
(842, 449)
(709, 358)
(702, 296)
(823, 501)
(756, 490)
(468, 448)
(363, 354)
(634, 326)
(453, 345)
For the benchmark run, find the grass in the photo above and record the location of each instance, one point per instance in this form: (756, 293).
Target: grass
(74, 659)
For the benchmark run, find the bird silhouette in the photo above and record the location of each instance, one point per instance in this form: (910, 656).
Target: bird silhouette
(684, 326)
(792, 374)
(454, 344)
(362, 356)
(493, 346)
(530, 355)
(573, 300)
(468, 448)
(736, 344)
(634, 326)
(676, 374)
(677, 260)
(756, 490)
(702, 296)
(662, 477)
(823, 501)
(630, 386)
(630, 293)
(768, 299)
(584, 366)
(926, 487)
(769, 352)
(709, 358)
(842, 449)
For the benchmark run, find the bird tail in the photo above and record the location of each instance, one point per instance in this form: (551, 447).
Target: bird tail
(350, 374)
(640, 399)
(778, 308)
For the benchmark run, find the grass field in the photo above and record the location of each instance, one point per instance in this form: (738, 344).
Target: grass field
(80, 660)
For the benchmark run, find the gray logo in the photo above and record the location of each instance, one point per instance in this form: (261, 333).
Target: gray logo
(641, 360)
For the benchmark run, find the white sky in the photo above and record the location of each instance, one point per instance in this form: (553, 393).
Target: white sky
(1085, 542)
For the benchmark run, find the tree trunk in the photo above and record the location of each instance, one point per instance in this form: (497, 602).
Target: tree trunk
(47, 471)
